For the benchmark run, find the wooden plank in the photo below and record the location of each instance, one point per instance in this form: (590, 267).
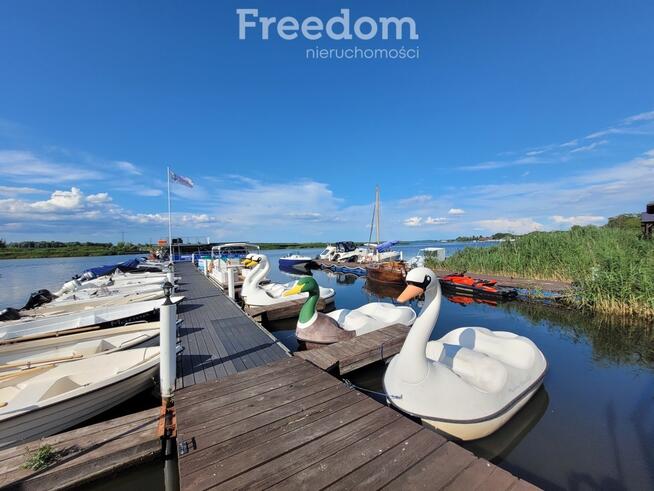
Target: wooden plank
(436, 470)
(243, 461)
(390, 464)
(240, 378)
(334, 467)
(276, 470)
(266, 427)
(482, 475)
(205, 413)
(87, 452)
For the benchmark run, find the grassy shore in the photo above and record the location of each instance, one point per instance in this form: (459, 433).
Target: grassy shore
(69, 251)
(612, 269)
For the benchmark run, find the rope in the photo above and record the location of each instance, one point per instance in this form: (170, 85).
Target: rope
(348, 383)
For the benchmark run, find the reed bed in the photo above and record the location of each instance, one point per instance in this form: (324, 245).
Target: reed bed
(612, 269)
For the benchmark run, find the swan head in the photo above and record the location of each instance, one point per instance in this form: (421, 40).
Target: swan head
(306, 284)
(247, 260)
(256, 259)
(419, 281)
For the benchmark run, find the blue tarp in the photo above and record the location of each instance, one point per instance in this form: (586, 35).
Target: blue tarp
(128, 265)
(384, 246)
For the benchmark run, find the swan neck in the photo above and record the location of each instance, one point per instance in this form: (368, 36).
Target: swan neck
(412, 360)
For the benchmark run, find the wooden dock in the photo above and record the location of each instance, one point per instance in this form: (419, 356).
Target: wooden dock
(347, 356)
(293, 426)
(85, 454)
(218, 338)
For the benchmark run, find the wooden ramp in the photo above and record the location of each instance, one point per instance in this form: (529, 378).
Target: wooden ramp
(285, 310)
(219, 339)
(85, 454)
(347, 356)
(292, 426)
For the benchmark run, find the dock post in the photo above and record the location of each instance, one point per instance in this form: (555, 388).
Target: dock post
(230, 283)
(167, 343)
(170, 274)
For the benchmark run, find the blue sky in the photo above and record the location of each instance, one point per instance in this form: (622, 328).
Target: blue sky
(517, 116)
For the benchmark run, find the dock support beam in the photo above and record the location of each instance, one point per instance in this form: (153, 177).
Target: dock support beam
(230, 283)
(168, 344)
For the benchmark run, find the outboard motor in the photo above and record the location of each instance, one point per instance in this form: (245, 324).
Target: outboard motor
(9, 314)
(38, 298)
(69, 286)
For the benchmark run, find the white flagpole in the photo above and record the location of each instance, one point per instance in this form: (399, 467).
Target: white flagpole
(170, 227)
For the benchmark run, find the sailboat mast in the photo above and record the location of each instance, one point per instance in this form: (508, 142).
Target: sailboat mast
(378, 211)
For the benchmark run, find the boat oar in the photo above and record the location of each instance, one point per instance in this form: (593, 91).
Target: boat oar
(30, 364)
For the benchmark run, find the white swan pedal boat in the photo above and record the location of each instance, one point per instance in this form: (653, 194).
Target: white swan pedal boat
(43, 401)
(256, 294)
(28, 354)
(468, 383)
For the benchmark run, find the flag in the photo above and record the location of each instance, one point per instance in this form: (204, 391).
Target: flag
(185, 181)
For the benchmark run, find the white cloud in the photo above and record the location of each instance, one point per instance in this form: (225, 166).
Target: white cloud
(571, 143)
(128, 167)
(436, 221)
(24, 166)
(513, 225)
(646, 116)
(98, 198)
(413, 221)
(61, 200)
(456, 211)
(15, 191)
(578, 220)
(589, 148)
(416, 200)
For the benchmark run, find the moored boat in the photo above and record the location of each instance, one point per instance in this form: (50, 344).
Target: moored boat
(469, 382)
(28, 354)
(294, 260)
(466, 285)
(102, 316)
(392, 273)
(44, 400)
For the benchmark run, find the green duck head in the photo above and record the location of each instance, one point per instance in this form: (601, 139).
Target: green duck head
(306, 284)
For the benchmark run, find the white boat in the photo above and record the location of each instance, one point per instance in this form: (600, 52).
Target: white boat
(36, 326)
(230, 256)
(112, 281)
(28, 354)
(433, 253)
(108, 291)
(256, 294)
(466, 384)
(69, 306)
(45, 400)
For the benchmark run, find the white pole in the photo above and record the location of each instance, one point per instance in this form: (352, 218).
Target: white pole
(170, 226)
(167, 353)
(230, 283)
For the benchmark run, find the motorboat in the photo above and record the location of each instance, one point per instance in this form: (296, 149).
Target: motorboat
(230, 256)
(343, 252)
(256, 294)
(315, 329)
(31, 326)
(107, 292)
(47, 399)
(29, 354)
(461, 284)
(436, 254)
(469, 382)
(116, 280)
(294, 260)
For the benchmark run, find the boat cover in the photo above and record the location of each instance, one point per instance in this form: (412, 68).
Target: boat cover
(125, 266)
(384, 246)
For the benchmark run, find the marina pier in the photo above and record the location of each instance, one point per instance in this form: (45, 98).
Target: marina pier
(250, 414)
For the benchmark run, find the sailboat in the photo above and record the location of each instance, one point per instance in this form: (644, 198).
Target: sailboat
(379, 252)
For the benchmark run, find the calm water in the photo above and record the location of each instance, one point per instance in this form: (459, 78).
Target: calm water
(20, 277)
(591, 426)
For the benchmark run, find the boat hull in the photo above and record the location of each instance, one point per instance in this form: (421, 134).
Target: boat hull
(58, 417)
(475, 430)
(392, 273)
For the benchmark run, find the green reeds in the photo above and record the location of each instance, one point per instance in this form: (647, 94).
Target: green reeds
(612, 270)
